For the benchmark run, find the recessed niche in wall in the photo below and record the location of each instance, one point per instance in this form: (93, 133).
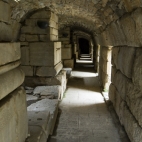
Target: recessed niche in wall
(42, 24)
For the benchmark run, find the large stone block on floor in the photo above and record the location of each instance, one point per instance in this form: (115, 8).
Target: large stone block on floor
(113, 72)
(28, 70)
(47, 105)
(69, 63)
(62, 77)
(125, 62)
(13, 116)
(9, 81)
(66, 53)
(48, 90)
(45, 53)
(5, 11)
(39, 125)
(49, 71)
(9, 52)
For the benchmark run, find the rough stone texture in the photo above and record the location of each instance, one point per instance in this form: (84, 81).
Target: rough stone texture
(9, 52)
(47, 105)
(4, 7)
(8, 67)
(38, 125)
(28, 70)
(125, 60)
(66, 53)
(10, 81)
(68, 63)
(25, 55)
(49, 71)
(14, 117)
(45, 53)
(48, 90)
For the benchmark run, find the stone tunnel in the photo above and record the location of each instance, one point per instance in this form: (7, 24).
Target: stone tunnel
(43, 43)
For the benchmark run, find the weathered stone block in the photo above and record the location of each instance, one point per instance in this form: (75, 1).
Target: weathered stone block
(112, 94)
(69, 63)
(25, 55)
(8, 67)
(28, 70)
(49, 71)
(5, 11)
(137, 69)
(45, 15)
(120, 83)
(9, 52)
(31, 38)
(125, 60)
(48, 37)
(6, 32)
(66, 53)
(115, 52)
(9, 81)
(45, 53)
(47, 105)
(14, 122)
(38, 125)
(113, 72)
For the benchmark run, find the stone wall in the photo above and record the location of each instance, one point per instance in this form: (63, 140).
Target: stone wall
(105, 67)
(125, 90)
(41, 53)
(13, 110)
(67, 49)
(125, 35)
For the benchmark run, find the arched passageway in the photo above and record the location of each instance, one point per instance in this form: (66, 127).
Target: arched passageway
(84, 46)
(38, 51)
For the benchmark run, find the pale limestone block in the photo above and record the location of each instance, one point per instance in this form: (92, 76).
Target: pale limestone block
(45, 53)
(9, 52)
(125, 60)
(28, 70)
(10, 81)
(69, 63)
(14, 122)
(5, 12)
(31, 38)
(49, 71)
(66, 53)
(6, 32)
(25, 55)
(38, 120)
(8, 67)
(47, 105)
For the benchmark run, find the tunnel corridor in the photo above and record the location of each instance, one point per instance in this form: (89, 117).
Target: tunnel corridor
(70, 70)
